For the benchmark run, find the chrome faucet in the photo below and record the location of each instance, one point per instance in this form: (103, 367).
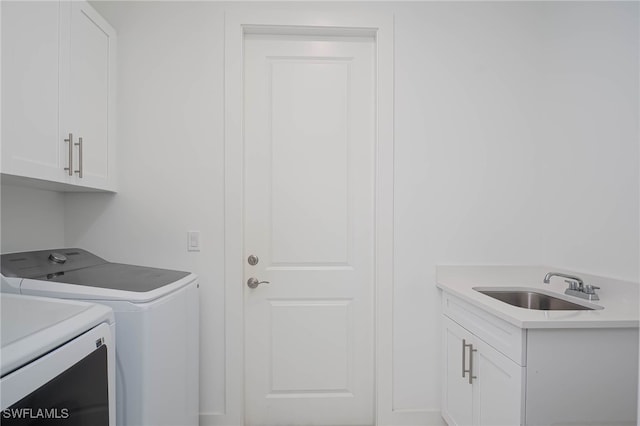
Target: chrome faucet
(576, 286)
(569, 277)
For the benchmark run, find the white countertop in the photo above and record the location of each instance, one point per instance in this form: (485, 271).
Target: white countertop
(619, 299)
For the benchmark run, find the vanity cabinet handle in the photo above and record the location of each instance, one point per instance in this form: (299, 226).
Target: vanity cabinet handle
(464, 363)
(464, 354)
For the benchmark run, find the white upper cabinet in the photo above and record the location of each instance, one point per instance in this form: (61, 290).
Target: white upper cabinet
(31, 144)
(91, 79)
(58, 79)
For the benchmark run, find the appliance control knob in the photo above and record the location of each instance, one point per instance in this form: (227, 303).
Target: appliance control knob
(57, 258)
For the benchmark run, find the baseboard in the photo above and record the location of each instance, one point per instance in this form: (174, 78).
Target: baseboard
(396, 418)
(217, 419)
(412, 417)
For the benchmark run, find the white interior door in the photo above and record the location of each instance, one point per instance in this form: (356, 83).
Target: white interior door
(309, 161)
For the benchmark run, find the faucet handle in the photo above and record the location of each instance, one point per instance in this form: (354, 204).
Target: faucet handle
(573, 285)
(591, 289)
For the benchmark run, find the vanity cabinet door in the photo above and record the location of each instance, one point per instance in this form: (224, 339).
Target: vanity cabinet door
(457, 393)
(498, 390)
(493, 396)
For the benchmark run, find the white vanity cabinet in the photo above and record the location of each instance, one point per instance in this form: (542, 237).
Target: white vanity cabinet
(535, 376)
(58, 87)
(481, 385)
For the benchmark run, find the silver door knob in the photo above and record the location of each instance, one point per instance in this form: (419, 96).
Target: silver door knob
(254, 282)
(253, 260)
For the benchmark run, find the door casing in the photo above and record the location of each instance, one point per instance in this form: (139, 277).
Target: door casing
(237, 25)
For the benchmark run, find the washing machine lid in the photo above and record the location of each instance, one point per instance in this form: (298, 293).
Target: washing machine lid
(80, 267)
(118, 276)
(44, 263)
(32, 326)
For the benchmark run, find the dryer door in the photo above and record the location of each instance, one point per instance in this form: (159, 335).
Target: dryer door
(70, 385)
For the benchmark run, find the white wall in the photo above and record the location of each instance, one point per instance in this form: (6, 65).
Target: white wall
(516, 142)
(31, 219)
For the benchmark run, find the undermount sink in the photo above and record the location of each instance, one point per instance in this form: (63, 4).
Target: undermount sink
(530, 299)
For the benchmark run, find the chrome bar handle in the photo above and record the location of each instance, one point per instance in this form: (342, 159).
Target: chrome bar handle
(464, 354)
(79, 171)
(70, 142)
(471, 376)
(470, 370)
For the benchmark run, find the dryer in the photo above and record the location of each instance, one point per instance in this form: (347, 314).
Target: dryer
(157, 326)
(57, 362)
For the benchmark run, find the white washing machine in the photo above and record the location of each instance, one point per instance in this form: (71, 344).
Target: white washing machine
(57, 362)
(157, 326)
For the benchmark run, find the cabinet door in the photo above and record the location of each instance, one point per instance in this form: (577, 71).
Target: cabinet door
(90, 103)
(32, 144)
(457, 393)
(498, 391)
(496, 395)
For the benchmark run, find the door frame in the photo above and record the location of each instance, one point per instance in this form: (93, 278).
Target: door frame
(305, 22)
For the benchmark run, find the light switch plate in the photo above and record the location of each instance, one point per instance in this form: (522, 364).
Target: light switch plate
(193, 240)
